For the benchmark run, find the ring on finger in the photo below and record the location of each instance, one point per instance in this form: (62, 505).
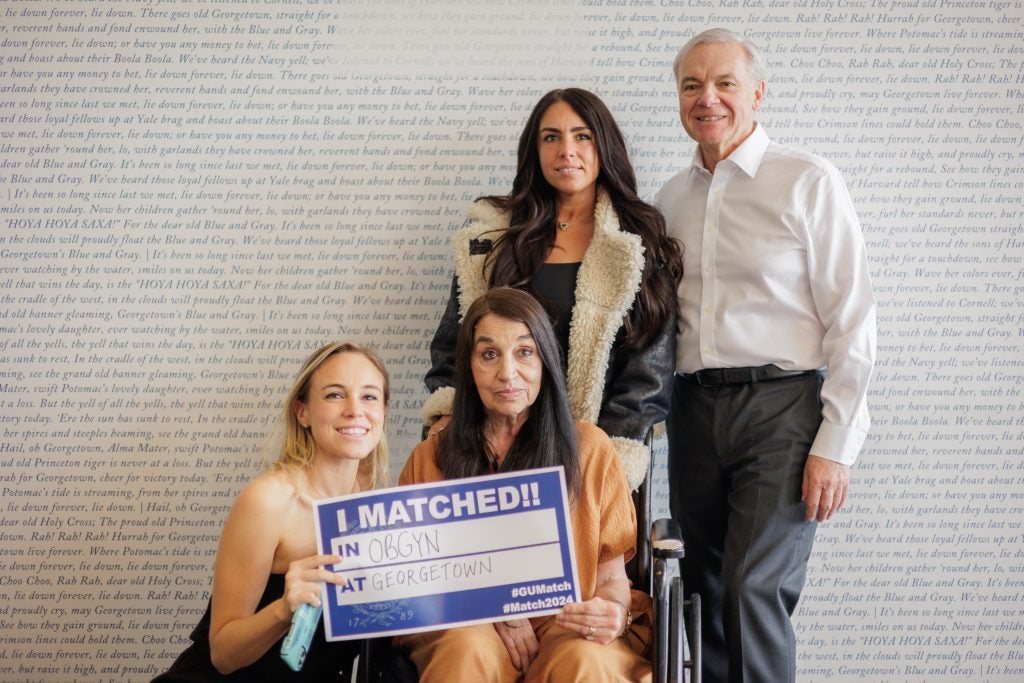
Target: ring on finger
(590, 633)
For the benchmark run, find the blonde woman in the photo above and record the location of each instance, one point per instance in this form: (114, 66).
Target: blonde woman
(267, 564)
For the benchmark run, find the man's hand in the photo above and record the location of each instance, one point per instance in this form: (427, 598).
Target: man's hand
(826, 484)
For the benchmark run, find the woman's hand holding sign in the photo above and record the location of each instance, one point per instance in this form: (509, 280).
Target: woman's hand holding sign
(304, 577)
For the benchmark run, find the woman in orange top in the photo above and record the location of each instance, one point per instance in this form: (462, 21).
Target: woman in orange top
(511, 413)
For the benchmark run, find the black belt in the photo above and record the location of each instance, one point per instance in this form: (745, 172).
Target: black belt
(710, 377)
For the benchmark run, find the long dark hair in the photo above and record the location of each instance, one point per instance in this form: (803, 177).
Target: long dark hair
(548, 437)
(532, 208)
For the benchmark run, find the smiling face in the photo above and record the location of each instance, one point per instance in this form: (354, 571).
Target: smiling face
(567, 151)
(507, 368)
(718, 98)
(344, 408)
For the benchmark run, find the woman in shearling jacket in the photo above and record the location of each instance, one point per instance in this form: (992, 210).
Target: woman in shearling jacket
(574, 233)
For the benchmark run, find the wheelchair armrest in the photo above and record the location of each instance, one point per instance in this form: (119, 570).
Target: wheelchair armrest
(666, 539)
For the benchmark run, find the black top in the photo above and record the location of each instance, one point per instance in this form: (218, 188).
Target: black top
(323, 663)
(554, 285)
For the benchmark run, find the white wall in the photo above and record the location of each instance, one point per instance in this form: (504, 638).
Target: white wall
(197, 194)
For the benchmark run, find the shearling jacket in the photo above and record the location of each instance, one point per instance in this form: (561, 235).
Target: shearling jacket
(623, 391)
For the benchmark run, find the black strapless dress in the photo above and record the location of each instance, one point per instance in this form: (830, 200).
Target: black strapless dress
(325, 661)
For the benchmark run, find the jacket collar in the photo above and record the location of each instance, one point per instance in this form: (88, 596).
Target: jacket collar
(606, 287)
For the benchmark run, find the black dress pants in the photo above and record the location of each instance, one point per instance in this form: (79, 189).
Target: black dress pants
(736, 461)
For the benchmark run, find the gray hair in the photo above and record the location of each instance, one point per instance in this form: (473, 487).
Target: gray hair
(755, 59)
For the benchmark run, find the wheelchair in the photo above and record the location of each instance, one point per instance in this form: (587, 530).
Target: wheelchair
(675, 651)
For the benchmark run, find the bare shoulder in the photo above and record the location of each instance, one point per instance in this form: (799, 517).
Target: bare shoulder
(264, 516)
(271, 493)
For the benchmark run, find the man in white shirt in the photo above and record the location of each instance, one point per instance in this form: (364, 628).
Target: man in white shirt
(776, 342)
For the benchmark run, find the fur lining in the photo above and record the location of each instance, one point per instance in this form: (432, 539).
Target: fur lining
(635, 457)
(606, 287)
(437, 404)
(482, 219)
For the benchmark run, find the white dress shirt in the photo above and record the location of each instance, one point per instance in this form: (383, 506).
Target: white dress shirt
(775, 271)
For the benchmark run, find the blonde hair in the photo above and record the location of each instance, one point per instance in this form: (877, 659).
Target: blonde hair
(296, 451)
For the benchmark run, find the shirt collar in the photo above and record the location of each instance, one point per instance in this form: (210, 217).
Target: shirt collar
(747, 156)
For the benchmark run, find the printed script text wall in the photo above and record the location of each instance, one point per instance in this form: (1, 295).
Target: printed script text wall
(197, 194)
